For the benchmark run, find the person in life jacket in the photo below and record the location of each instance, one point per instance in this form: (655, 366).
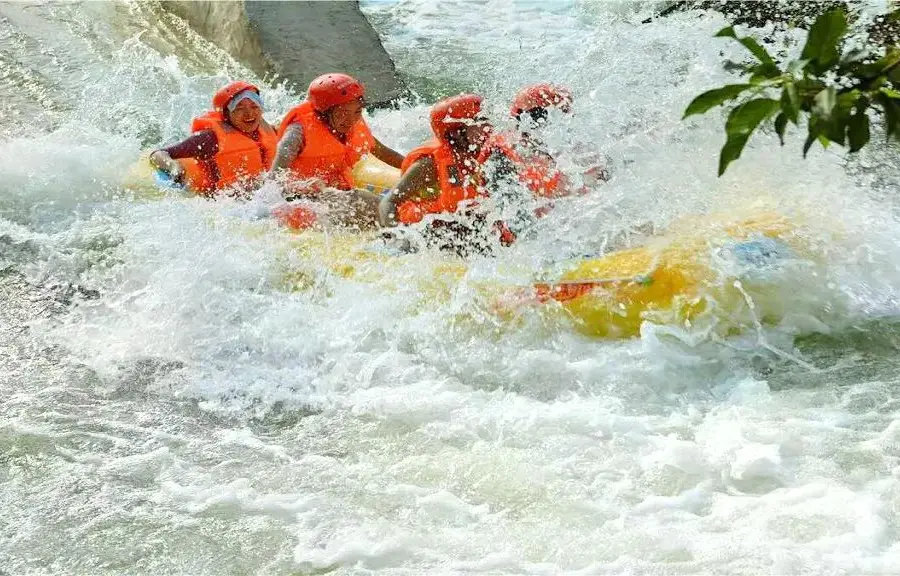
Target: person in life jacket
(322, 139)
(443, 177)
(520, 155)
(231, 145)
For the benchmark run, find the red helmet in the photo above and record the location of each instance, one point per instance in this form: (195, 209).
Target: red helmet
(541, 96)
(334, 89)
(224, 96)
(450, 111)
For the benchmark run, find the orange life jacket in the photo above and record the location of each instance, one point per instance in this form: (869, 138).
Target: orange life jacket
(323, 155)
(456, 183)
(536, 171)
(240, 158)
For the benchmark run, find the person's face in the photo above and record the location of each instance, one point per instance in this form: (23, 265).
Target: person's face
(343, 117)
(246, 116)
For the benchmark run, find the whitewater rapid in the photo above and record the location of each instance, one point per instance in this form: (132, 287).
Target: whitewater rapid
(170, 405)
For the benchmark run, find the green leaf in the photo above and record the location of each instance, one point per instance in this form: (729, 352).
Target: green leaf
(890, 59)
(749, 43)
(891, 114)
(731, 151)
(823, 42)
(754, 47)
(780, 124)
(741, 123)
(764, 72)
(858, 130)
(790, 102)
(745, 118)
(824, 102)
(810, 138)
(796, 66)
(813, 135)
(807, 87)
(890, 93)
(727, 32)
(836, 130)
(712, 98)
(868, 71)
(837, 124)
(847, 100)
(894, 75)
(885, 64)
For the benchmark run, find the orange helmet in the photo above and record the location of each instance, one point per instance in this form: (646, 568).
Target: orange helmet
(452, 111)
(334, 89)
(541, 96)
(224, 96)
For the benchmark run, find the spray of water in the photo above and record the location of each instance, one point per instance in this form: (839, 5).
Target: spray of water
(213, 395)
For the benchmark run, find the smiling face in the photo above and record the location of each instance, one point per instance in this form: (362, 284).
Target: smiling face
(343, 117)
(246, 116)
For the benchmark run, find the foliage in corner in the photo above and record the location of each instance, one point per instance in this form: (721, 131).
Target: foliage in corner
(830, 89)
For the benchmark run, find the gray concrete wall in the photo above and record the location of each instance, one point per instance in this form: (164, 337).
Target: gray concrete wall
(225, 24)
(296, 40)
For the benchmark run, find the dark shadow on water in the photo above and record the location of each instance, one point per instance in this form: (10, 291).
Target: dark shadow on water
(282, 416)
(864, 352)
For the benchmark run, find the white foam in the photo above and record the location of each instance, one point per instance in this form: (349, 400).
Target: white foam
(362, 425)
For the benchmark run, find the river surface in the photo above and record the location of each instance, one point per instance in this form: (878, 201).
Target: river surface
(183, 391)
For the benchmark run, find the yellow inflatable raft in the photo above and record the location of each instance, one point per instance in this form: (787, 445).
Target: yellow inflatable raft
(707, 268)
(674, 279)
(373, 175)
(718, 273)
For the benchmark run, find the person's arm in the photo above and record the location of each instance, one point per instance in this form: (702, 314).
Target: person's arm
(417, 179)
(387, 155)
(202, 146)
(595, 175)
(595, 165)
(289, 147)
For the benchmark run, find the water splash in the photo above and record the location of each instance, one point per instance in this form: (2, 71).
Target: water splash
(195, 412)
